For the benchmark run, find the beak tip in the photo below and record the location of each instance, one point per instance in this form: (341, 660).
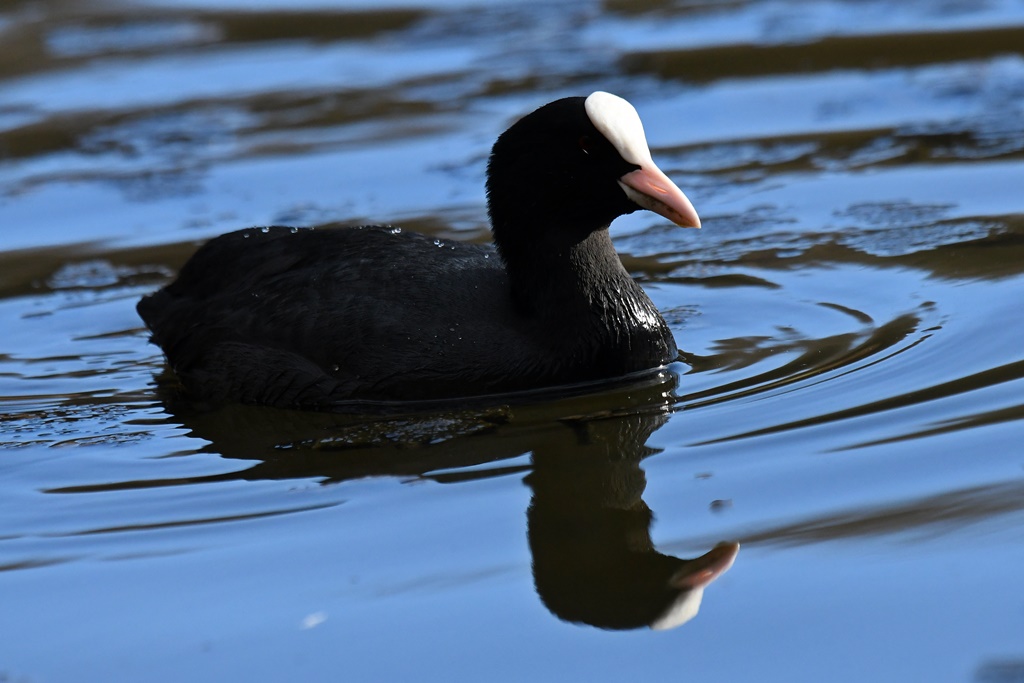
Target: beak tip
(688, 219)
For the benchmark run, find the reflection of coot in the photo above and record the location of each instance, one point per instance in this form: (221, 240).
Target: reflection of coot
(317, 318)
(593, 559)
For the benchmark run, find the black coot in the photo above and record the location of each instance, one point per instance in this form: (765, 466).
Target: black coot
(321, 318)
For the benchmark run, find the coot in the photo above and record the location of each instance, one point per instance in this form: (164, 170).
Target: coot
(331, 317)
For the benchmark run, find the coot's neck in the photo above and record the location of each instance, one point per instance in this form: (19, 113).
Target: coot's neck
(577, 285)
(561, 274)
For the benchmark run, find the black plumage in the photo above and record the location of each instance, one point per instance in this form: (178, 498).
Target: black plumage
(317, 318)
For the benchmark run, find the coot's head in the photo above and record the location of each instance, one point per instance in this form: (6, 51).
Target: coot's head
(573, 166)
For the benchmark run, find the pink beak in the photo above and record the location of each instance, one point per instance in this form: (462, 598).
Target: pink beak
(652, 189)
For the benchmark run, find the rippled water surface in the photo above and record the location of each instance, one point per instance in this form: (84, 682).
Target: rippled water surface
(848, 406)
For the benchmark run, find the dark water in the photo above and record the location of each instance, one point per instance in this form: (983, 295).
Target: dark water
(850, 409)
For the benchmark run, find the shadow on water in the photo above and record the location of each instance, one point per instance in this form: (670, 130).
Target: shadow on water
(589, 528)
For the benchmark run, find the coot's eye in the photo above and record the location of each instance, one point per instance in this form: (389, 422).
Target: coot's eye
(585, 143)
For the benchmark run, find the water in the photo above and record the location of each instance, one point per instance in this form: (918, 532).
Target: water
(849, 408)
